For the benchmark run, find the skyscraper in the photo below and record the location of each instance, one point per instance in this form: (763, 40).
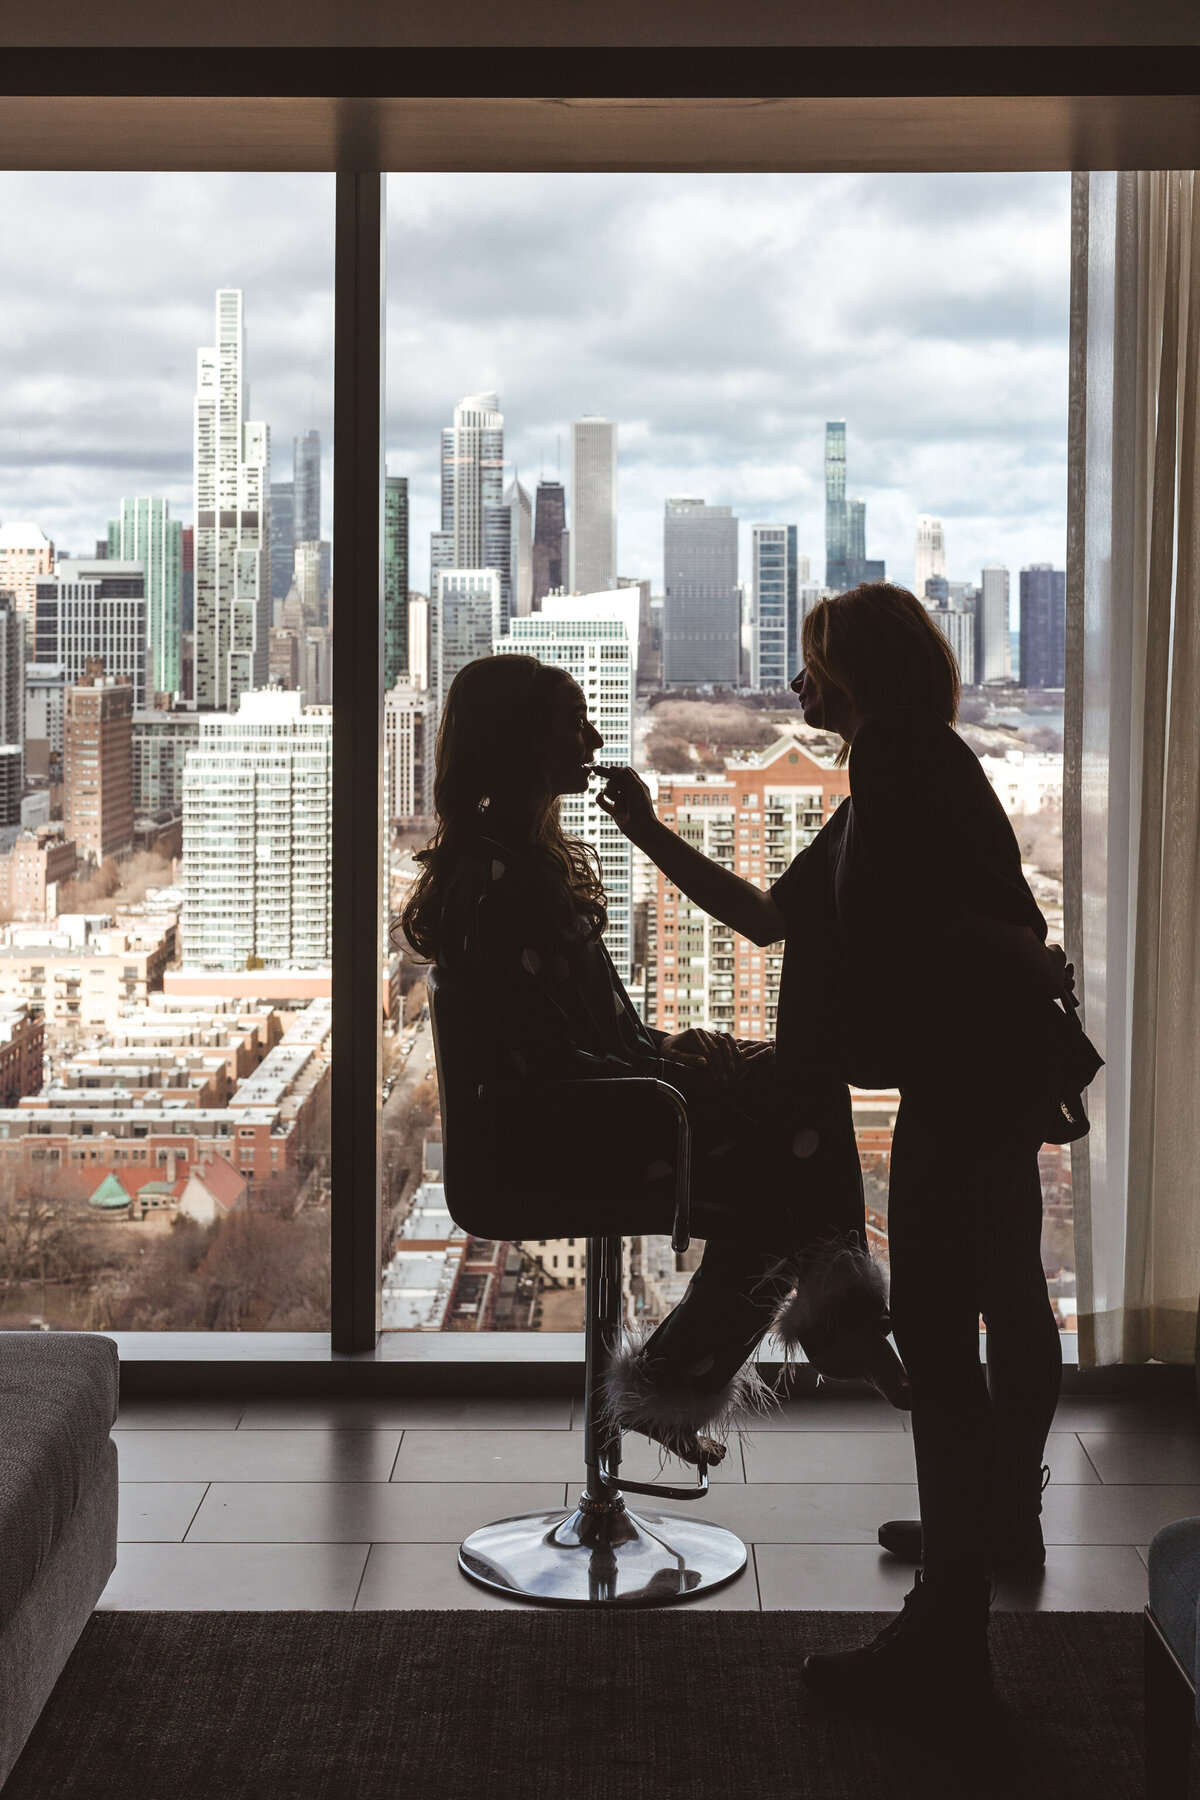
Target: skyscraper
(306, 453)
(283, 537)
(464, 621)
(476, 526)
(957, 625)
(498, 554)
(836, 523)
(593, 541)
(856, 531)
(98, 766)
(1043, 641)
(146, 533)
(188, 580)
(550, 521)
(798, 572)
(307, 581)
(992, 642)
(25, 555)
(770, 588)
(232, 456)
(520, 540)
(472, 474)
(418, 640)
(12, 690)
(407, 752)
(930, 557)
(846, 562)
(702, 605)
(256, 836)
(395, 580)
(161, 742)
(94, 611)
(594, 637)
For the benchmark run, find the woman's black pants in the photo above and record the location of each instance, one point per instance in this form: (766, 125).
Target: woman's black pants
(775, 1178)
(964, 1233)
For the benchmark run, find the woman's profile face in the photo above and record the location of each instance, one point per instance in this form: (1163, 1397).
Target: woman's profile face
(570, 741)
(825, 708)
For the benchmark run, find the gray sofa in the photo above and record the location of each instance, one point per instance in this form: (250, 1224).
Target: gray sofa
(1172, 1657)
(58, 1511)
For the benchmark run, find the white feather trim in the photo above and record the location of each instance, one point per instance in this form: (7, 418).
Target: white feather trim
(824, 1277)
(673, 1417)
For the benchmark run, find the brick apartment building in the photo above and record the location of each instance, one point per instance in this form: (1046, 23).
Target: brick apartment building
(753, 819)
(98, 765)
(22, 1048)
(31, 871)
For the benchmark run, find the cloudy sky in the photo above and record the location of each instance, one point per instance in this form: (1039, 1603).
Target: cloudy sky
(719, 319)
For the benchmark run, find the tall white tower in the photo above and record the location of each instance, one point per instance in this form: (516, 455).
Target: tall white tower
(595, 638)
(593, 537)
(993, 651)
(232, 543)
(472, 476)
(931, 553)
(520, 542)
(256, 836)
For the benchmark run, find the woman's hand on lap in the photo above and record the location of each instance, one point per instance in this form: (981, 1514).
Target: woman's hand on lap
(713, 1052)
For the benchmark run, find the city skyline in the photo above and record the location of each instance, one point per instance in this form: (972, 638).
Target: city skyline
(951, 374)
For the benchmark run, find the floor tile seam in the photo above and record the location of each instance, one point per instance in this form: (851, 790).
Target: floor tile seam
(1091, 1458)
(325, 1480)
(199, 1504)
(362, 1575)
(357, 1543)
(465, 1428)
(763, 1542)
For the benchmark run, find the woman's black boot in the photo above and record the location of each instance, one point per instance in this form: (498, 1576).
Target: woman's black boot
(932, 1657)
(1014, 1537)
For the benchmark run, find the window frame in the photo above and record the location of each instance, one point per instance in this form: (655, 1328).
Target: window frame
(841, 108)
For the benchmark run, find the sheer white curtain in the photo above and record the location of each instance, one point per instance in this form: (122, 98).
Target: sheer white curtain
(1132, 770)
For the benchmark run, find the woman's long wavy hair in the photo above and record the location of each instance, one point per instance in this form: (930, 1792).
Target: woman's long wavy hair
(879, 645)
(489, 767)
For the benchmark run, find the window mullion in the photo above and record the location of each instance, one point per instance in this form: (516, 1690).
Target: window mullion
(358, 468)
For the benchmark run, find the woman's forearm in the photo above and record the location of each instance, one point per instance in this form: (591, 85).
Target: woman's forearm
(726, 896)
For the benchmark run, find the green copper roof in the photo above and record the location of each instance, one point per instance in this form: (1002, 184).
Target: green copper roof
(109, 1195)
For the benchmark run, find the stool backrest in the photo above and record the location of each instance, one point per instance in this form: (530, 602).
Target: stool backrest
(456, 1041)
(503, 1165)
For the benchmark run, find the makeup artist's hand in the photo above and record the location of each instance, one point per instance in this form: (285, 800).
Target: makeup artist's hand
(626, 799)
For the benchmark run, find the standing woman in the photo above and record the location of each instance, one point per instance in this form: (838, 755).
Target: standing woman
(915, 956)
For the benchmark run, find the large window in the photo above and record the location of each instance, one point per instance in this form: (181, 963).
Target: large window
(664, 414)
(166, 625)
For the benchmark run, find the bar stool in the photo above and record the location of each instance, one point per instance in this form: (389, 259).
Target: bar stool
(499, 1186)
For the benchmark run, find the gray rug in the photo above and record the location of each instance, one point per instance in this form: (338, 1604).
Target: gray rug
(597, 1706)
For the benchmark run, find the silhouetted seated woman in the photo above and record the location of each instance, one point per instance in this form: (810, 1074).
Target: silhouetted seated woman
(514, 909)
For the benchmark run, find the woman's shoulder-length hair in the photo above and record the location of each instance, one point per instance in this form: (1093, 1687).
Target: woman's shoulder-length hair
(879, 645)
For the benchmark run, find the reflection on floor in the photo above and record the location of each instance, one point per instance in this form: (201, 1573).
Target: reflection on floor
(334, 1504)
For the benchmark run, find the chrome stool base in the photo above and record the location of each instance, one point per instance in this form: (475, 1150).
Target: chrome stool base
(601, 1555)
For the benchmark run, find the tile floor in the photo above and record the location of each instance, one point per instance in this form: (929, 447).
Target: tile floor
(361, 1503)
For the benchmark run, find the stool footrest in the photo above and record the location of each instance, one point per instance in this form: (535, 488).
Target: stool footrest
(660, 1489)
